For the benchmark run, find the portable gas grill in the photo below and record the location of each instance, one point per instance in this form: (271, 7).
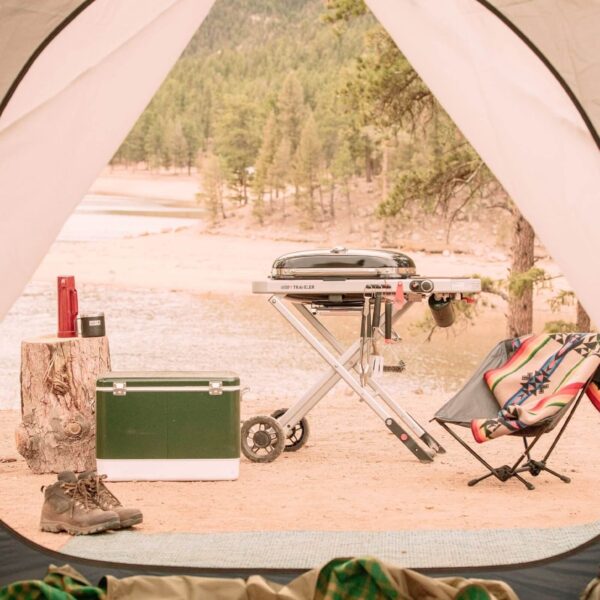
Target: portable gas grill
(378, 285)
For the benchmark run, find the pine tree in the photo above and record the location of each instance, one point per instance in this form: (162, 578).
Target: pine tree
(212, 182)
(291, 109)
(264, 161)
(237, 141)
(280, 170)
(191, 133)
(177, 144)
(307, 163)
(343, 171)
(153, 143)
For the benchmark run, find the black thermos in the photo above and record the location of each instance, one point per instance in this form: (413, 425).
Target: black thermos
(92, 325)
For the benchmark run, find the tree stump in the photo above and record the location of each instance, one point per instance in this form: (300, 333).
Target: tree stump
(58, 402)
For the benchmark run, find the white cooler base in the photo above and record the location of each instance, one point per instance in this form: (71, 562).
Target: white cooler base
(169, 469)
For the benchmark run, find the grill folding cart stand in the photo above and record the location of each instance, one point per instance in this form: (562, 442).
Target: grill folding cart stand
(265, 437)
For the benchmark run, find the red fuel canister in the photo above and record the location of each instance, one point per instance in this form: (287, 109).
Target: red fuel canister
(67, 307)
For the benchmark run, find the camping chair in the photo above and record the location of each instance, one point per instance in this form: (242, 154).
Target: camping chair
(475, 400)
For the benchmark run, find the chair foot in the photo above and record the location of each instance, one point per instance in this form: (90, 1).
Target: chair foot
(535, 467)
(478, 479)
(524, 481)
(503, 473)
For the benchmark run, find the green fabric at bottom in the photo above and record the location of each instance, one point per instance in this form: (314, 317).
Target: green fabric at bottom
(61, 583)
(370, 579)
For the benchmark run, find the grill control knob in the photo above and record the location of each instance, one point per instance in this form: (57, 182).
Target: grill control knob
(415, 285)
(427, 286)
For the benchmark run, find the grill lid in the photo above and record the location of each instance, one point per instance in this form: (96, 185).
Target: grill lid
(343, 262)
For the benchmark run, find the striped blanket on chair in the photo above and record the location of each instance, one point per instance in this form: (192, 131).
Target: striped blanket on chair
(542, 376)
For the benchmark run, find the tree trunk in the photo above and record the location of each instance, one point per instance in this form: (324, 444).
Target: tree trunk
(520, 306)
(583, 319)
(332, 200)
(349, 204)
(58, 402)
(368, 164)
(384, 171)
(321, 203)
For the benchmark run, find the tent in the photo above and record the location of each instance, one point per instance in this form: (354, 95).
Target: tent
(520, 79)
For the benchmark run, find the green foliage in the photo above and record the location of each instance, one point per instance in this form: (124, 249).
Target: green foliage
(560, 326)
(344, 10)
(343, 167)
(307, 163)
(563, 298)
(280, 169)
(265, 158)
(279, 56)
(212, 182)
(291, 110)
(519, 283)
(237, 140)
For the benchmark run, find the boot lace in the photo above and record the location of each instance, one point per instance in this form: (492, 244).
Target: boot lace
(101, 494)
(80, 495)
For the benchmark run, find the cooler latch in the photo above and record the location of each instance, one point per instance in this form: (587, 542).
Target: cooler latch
(119, 388)
(215, 388)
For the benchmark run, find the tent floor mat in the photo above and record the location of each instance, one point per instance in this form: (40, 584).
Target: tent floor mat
(305, 549)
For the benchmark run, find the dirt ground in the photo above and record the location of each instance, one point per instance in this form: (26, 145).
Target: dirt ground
(352, 475)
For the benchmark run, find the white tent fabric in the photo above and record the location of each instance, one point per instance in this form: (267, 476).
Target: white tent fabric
(83, 93)
(567, 33)
(70, 113)
(518, 117)
(22, 29)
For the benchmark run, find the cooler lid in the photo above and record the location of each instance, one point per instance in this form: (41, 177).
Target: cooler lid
(168, 379)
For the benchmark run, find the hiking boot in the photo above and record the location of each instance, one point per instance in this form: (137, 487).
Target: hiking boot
(106, 500)
(69, 507)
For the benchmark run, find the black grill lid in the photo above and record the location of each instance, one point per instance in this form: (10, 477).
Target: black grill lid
(344, 262)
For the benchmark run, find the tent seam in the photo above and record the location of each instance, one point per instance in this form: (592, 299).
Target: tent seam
(38, 51)
(570, 93)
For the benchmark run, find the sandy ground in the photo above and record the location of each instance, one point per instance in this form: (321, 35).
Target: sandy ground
(352, 474)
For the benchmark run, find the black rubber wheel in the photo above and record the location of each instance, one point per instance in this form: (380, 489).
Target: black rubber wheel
(298, 435)
(262, 439)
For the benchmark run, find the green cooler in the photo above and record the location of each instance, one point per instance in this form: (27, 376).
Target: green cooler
(168, 426)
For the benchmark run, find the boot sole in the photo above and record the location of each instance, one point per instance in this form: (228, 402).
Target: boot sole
(130, 522)
(57, 526)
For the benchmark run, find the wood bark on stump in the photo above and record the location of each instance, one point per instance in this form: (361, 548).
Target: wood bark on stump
(58, 402)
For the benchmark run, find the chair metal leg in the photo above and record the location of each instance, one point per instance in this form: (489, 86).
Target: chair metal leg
(535, 467)
(503, 473)
(478, 479)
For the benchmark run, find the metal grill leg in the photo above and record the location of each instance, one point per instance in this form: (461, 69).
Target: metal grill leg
(376, 387)
(343, 373)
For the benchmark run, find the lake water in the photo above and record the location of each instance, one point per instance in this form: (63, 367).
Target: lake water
(102, 217)
(164, 330)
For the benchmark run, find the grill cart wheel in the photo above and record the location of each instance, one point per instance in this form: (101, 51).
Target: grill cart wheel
(298, 435)
(263, 439)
